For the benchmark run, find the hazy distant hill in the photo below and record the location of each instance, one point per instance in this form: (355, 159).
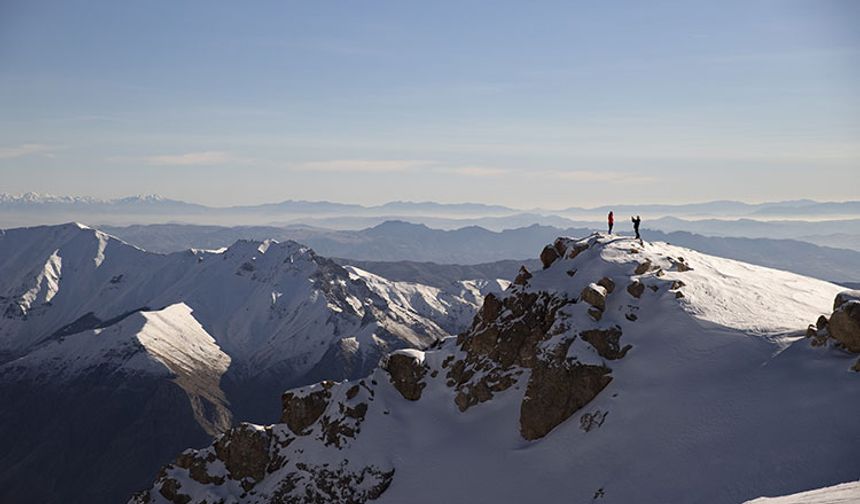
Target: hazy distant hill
(402, 241)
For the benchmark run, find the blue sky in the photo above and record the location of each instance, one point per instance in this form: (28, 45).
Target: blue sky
(527, 104)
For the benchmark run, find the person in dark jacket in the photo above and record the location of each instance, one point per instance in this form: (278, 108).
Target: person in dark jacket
(611, 219)
(636, 220)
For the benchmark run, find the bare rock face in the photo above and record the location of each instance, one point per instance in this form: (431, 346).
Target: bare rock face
(406, 374)
(606, 342)
(503, 342)
(548, 256)
(245, 451)
(555, 392)
(844, 325)
(300, 412)
(636, 288)
(595, 295)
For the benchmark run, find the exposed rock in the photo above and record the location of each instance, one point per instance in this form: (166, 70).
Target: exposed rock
(682, 267)
(845, 296)
(577, 249)
(595, 295)
(571, 272)
(301, 411)
(311, 484)
(593, 420)
(636, 288)
(844, 325)
(406, 373)
(548, 256)
(560, 245)
(555, 392)
(642, 268)
(595, 313)
(607, 284)
(523, 276)
(245, 451)
(497, 349)
(170, 491)
(606, 342)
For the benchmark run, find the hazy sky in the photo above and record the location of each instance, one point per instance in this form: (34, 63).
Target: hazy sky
(519, 103)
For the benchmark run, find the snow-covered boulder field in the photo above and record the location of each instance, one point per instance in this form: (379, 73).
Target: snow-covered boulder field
(621, 372)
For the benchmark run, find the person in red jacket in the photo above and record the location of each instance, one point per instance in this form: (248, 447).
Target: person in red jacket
(611, 219)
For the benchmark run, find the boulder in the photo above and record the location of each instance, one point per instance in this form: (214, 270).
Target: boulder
(607, 284)
(548, 256)
(406, 373)
(595, 295)
(844, 325)
(845, 296)
(636, 288)
(642, 268)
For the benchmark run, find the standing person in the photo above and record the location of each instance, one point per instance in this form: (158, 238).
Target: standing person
(611, 219)
(636, 220)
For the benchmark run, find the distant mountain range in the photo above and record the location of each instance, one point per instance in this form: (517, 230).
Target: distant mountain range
(403, 241)
(33, 208)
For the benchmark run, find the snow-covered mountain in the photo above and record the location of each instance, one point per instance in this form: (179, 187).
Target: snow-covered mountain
(96, 332)
(621, 372)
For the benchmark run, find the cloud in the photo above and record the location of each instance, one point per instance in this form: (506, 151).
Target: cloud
(477, 171)
(203, 158)
(28, 149)
(606, 177)
(413, 165)
(363, 166)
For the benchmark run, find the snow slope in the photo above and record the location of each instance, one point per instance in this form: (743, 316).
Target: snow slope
(845, 493)
(270, 306)
(691, 383)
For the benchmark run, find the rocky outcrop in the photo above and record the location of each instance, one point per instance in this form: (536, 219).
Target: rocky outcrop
(245, 451)
(406, 372)
(556, 391)
(607, 342)
(301, 411)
